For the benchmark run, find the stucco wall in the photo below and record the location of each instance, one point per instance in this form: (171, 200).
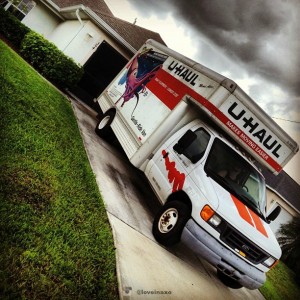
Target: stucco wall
(41, 20)
(71, 37)
(79, 40)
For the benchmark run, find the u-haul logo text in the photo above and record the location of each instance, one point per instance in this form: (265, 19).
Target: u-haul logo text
(183, 72)
(252, 131)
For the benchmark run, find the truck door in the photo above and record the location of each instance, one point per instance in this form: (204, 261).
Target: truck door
(168, 170)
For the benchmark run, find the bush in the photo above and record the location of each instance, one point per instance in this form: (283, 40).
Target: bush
(52, 63)
(289, 241)
(11, 28)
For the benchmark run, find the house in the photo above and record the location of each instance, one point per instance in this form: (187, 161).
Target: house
(88, 32)
(282, 191)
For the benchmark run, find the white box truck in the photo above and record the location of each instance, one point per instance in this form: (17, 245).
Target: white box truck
(198, 138)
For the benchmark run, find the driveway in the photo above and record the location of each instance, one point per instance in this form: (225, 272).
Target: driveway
(145, 269)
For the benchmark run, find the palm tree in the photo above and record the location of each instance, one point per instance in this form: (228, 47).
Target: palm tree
(289, 240)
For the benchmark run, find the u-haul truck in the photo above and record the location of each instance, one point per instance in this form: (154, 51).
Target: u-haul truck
(198, 137)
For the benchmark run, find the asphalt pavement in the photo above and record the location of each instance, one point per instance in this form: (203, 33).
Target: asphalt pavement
(145, 269)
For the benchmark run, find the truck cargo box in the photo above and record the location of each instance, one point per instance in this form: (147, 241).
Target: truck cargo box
(154, 83)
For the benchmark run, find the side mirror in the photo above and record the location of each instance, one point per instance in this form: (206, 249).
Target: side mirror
(274, 214)
(185, 141)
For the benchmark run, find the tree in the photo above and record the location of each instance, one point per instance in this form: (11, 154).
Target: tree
(289, 240)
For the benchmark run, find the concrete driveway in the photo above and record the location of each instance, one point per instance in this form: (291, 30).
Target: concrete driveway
(145, 269)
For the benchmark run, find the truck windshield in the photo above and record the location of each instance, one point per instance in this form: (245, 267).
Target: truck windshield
(236, 175)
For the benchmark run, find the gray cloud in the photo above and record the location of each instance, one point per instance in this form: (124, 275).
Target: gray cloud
(262, 35)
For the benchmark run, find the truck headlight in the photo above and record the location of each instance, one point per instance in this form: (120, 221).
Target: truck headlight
(215, 220)
(209, 215)
(270, 262)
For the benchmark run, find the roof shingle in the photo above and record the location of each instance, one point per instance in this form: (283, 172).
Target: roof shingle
(133, 34)
(284, 185)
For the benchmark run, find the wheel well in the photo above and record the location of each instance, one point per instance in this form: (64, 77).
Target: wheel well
(111, 111)
(181, 196)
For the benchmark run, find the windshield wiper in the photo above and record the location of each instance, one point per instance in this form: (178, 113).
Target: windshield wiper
(222, 181)
(218, 178)
(249, 201)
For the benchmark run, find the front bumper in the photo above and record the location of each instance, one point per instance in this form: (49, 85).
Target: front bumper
(222, 258)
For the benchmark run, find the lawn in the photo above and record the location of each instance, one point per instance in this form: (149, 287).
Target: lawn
(280, 284)
(56, 241)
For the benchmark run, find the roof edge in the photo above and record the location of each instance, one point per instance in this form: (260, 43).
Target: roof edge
(108, 29)
(283, 198)
(91, 15)
(53, 7)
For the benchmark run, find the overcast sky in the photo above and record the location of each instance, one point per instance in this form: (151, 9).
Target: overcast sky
(256, 43)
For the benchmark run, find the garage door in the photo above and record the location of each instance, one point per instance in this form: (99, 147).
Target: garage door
(283, 218)
(99, 71)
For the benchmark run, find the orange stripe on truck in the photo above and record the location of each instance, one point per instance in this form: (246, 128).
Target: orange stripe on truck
(249, 216)
(242, 209)
(258, 223)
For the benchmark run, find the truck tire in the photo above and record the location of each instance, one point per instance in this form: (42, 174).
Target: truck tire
(103, 128)
(169, 222)
(228, 281)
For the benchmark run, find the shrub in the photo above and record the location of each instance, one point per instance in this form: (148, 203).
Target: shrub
(11, 28)
(289, 241)
(52, 63)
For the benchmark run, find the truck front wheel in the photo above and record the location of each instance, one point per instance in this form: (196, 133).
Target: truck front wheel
(103, 127)
(168, 224)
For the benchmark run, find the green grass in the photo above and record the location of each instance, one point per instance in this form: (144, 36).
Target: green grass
(55, 238)
(280, 284)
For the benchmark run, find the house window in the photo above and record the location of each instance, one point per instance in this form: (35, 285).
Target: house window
(19, 8)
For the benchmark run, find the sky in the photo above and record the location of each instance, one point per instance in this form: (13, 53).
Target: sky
(255, 43)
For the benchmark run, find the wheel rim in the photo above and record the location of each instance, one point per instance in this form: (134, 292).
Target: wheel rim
(168, 220)
(104, 122)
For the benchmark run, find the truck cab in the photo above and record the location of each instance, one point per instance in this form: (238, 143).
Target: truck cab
(212, 188)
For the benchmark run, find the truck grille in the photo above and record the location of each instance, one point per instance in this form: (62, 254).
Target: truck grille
(239, 242)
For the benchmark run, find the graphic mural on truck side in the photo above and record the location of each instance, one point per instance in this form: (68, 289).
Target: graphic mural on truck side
(132, 96)
(174, 176)
(140, 71)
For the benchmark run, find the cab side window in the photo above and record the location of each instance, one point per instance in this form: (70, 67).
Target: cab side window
(196, 150)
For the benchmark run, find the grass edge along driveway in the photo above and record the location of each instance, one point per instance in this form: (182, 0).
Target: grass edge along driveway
(56, 241)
